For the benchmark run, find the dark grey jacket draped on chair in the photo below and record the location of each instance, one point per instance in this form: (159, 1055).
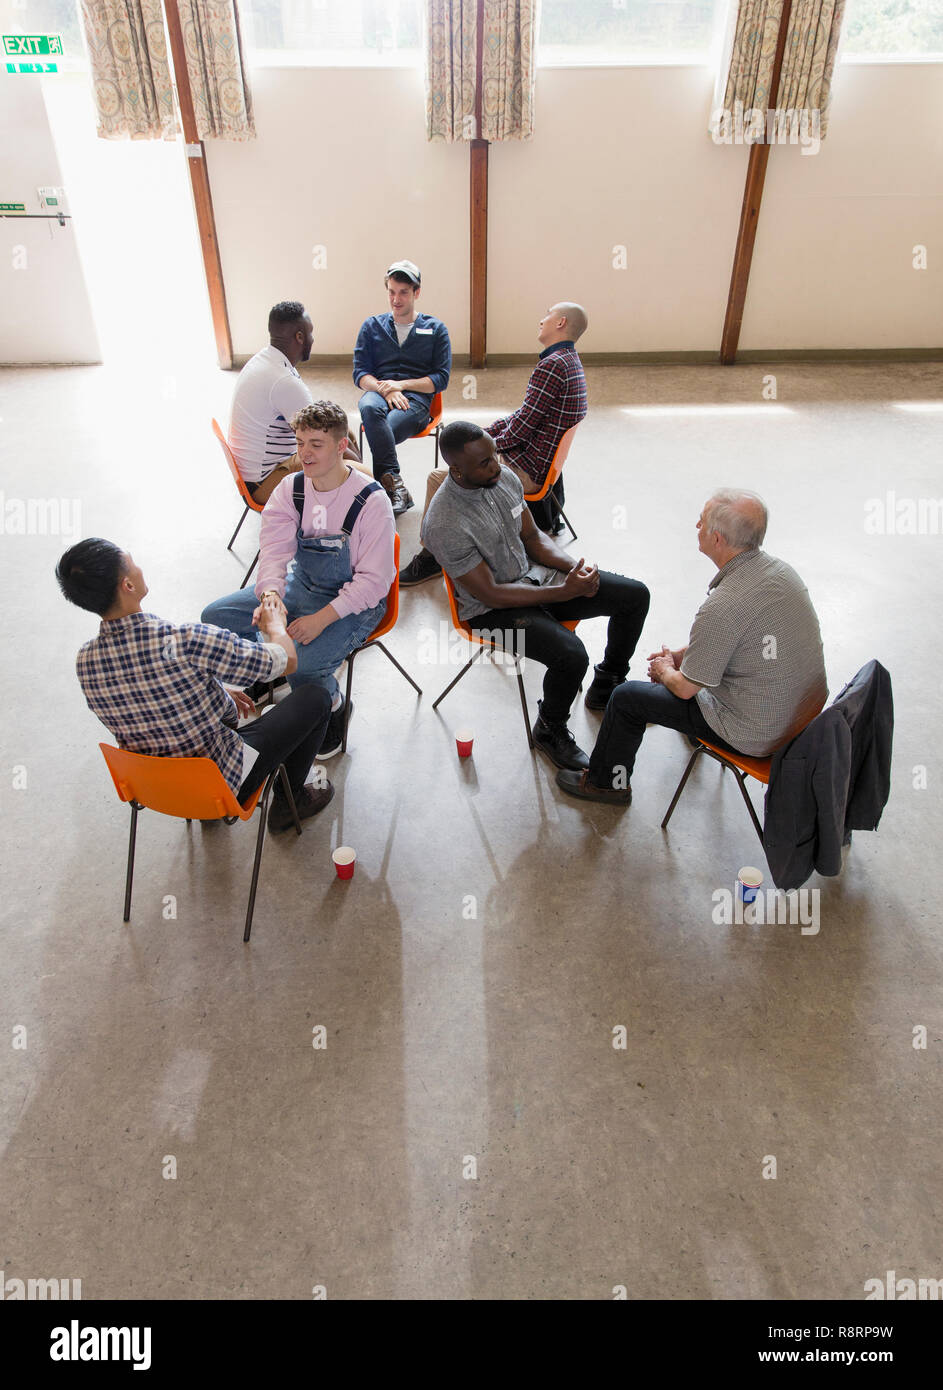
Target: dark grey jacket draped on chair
(832, 778)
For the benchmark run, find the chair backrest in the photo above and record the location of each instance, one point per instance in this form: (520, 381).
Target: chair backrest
(240, 482)
(560, 454)
(388, 620)
(191, 787)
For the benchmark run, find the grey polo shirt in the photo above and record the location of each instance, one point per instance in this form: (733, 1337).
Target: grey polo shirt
(464, 526)
(756, 648)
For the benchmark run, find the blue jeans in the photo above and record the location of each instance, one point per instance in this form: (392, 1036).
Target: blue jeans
(386, 427)
(317, 661)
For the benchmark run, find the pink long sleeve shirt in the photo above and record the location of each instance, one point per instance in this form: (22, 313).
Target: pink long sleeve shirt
(371, 544)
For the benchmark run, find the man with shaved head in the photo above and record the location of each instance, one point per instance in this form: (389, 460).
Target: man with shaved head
(555, 400)
(751, 676)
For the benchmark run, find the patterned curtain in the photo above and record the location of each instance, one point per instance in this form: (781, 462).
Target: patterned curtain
(221, 101)
(130, 72)
(509, 51)
(808, 60)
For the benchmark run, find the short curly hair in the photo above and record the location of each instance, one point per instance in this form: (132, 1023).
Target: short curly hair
(321, 415)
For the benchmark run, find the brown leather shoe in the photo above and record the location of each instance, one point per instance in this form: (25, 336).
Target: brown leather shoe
(397, 492)
(312, 800)
(578, 784)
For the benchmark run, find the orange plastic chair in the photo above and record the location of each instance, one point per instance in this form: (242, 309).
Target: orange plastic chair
(433, 427)
(193, 788)
(740, 764)
(556, 468)
(244, 493)
(484, 644)
(385, 625)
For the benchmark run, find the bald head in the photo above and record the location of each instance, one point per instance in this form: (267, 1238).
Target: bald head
(739, 518)
(576, 320)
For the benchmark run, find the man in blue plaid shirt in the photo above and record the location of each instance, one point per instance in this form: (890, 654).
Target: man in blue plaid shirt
(158, 686)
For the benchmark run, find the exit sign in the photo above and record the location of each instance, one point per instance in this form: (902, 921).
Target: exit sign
(12, 207)
(32, 67)
(32, 45)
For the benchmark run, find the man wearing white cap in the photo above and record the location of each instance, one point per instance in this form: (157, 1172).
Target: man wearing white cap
(401, 360)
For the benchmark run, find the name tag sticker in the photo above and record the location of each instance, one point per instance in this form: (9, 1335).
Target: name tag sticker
(331, 541)
(516, 511)
(425, 330)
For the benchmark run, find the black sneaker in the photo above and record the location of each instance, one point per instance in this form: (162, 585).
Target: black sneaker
(559, 745)
(604, 683)
(334, 737)
(258, 689)
(420, 568)
(309, 803)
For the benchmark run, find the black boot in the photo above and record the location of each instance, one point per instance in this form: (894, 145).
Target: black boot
(604, 683)
(559, 744)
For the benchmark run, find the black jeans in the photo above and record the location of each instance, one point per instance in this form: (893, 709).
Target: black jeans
(291, 733)
(631, 706)
(538, 633)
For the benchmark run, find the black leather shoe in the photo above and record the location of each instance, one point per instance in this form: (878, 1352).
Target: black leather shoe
(578, 784)
(559, 745)
(604, 683)
(420, 568)
(259, 689)
(309, 803)
(397, 492)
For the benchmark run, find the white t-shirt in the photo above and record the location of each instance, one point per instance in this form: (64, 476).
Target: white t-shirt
(268, 393)
(403, 330)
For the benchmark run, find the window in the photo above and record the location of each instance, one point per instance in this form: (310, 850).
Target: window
(892, 28)
(46, 17)
(341, 32)
(601, 31)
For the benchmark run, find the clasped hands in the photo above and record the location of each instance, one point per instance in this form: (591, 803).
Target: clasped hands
(661, 662)
(271, 614)
(393, 396)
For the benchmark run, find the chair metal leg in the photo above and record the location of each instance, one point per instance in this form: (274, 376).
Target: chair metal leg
(741, 779)
(350, 681)
(520, 687)
(259, 842)
(435, 435)
(232, 538)
(289, 795)
(130, 874)
(399, 668)
(250, 569)
(562, 513)
(474, 657)
(681, 785)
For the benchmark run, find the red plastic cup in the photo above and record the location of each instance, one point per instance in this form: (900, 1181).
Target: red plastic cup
(344, 860)
(463, 742)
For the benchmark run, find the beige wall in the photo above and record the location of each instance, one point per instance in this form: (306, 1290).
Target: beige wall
(621, 157)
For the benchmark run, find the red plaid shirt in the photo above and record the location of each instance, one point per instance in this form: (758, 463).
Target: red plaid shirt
(554, 401)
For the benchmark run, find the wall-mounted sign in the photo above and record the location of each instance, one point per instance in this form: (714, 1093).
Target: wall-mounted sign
(32, 67)
(32, 45)
(12, 207)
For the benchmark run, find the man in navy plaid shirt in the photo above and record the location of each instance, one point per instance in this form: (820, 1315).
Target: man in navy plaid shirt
(555, 401)
(158, 686)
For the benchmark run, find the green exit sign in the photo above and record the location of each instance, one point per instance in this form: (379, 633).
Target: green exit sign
(12, 207)
(32, 45)
(32, 67)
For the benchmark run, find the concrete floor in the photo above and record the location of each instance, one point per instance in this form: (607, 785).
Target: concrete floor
(470, 977)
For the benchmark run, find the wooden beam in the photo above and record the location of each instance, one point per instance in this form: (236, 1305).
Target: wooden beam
(200, 187)
(750, 212)
(478, 252)
(478, 217)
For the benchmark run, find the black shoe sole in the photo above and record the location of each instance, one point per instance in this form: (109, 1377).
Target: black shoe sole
(289, 824)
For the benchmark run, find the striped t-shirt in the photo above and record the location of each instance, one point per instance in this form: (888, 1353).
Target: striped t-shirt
(756, 649)
(268, 393)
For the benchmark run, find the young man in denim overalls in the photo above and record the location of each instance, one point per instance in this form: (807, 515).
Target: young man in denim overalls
(339, 531)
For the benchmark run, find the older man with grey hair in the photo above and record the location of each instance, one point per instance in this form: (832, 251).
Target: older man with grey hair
(752, 674)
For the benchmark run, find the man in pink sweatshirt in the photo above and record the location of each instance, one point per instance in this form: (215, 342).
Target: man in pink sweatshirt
(339, 531)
